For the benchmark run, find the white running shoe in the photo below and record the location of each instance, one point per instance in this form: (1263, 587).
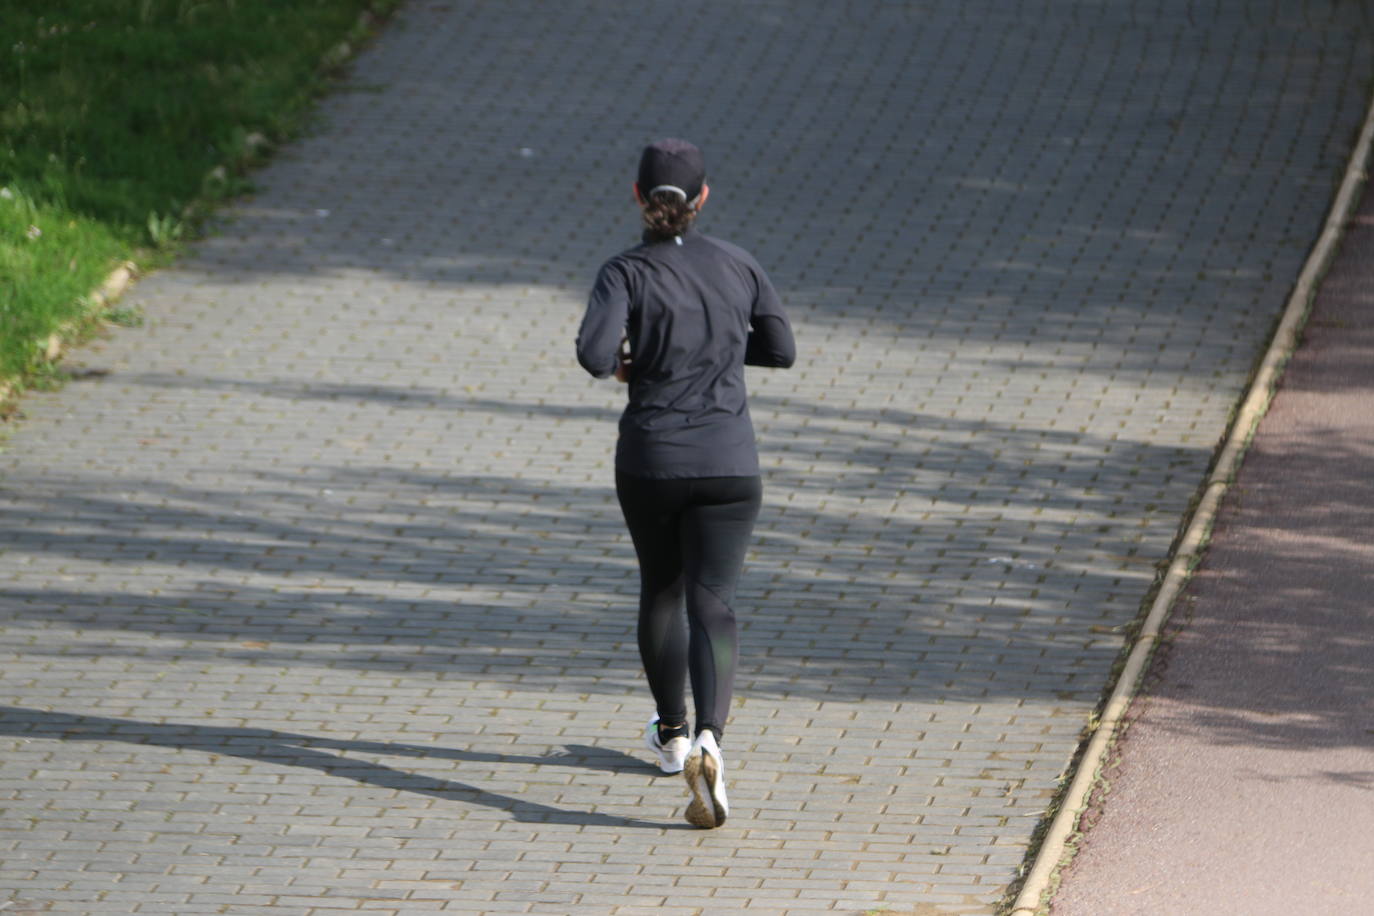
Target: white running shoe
(705, 771)
(671, 753)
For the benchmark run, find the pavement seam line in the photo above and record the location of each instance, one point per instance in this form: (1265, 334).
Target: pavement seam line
(1046, 864)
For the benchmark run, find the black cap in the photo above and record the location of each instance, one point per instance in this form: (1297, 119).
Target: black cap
(674, 165)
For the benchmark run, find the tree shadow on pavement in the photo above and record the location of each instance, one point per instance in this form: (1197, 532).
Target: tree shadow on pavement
(1270, 643)
(385, 567)
(328, 756)
(1026, 193)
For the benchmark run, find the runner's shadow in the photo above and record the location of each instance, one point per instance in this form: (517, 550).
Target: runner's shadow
(314, 752)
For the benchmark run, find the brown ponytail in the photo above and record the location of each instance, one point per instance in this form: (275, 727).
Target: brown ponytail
(667, 215)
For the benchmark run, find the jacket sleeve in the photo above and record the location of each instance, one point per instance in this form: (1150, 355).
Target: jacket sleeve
(603, 325)
(770, 335)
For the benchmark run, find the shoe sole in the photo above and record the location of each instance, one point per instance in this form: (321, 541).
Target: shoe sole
(703, 810)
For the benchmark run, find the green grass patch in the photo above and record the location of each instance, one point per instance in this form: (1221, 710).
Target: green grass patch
(120, 120)
(49, 260)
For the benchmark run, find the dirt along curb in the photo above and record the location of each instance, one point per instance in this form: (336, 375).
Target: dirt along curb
(1054, 851)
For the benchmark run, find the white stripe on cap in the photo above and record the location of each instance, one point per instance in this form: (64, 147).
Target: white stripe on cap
(669, 187)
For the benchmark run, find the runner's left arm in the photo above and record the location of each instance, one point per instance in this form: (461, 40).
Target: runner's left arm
(603, 325)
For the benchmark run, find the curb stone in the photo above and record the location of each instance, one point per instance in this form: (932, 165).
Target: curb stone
(98, 303)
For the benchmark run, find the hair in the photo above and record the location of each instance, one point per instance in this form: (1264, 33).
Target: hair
(667, 215)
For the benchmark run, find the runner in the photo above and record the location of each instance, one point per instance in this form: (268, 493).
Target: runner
(678, 317)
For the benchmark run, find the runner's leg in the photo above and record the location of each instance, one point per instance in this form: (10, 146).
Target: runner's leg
(652, 510)
(716, 528)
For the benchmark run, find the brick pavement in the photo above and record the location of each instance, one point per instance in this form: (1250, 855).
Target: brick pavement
(315, 594)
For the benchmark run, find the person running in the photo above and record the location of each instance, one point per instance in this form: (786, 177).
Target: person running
(678, 317)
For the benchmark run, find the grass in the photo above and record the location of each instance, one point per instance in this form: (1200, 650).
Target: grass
(122, 121)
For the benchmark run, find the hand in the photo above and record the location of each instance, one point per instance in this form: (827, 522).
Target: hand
(622, 366)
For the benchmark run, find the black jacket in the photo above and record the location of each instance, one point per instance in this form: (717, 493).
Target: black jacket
(696, 310)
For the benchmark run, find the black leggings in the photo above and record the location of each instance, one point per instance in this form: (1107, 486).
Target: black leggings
(691, 536)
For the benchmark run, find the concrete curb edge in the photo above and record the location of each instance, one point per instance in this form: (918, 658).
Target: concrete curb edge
(1256, 402)
(97, 305)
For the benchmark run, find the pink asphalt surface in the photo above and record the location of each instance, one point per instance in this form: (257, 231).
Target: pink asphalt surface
(1245, 781)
